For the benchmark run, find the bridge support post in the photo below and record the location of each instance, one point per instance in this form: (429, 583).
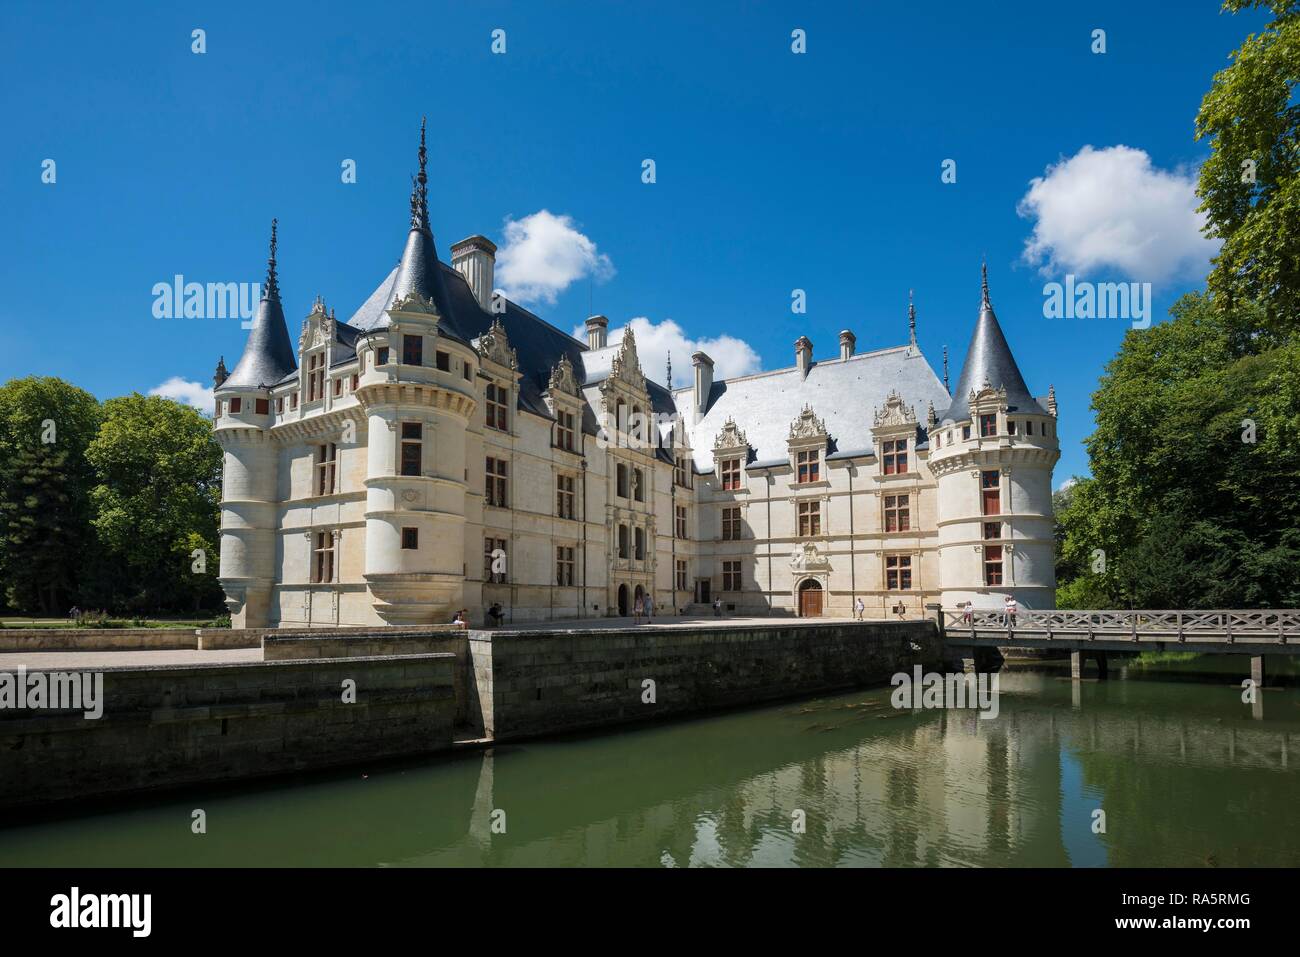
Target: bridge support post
(1076, 665)
(1257, 671)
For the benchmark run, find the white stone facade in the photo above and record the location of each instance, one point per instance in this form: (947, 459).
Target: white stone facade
(401, 473)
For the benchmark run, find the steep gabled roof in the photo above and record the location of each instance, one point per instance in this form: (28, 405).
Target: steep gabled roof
(268, 354)
(989, 359)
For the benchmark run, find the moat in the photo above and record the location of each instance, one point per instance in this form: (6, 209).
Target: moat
(1186, 776)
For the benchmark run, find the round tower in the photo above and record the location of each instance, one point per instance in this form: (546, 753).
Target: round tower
(417, 389)
(250, 475)
(992, 454)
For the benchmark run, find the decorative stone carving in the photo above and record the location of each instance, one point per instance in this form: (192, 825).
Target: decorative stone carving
(807, 426)
(806, 557)
(896, 413)
(495, 345)
(563, 378)
(414, 302)
(626, 367)
(731, 437)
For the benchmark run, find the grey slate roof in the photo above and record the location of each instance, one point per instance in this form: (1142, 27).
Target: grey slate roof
(268, 354)
(989, 359)
(842, 392)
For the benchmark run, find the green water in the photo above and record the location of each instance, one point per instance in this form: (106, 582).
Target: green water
(1186, 774)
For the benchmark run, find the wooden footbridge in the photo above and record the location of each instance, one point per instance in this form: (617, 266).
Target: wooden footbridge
(1085, 634)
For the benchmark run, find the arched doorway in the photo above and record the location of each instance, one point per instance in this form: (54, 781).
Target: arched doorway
(810, 598)
(622, 600)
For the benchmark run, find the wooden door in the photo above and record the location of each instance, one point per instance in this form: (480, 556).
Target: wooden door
(810, 602)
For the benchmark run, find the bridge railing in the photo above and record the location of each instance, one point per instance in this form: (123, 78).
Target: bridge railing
(1163, 624)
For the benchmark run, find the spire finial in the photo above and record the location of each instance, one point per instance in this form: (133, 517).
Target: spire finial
(945, 371)
(670, 370)
(420, 187)
(911, 320)
(272, 285)
(984, 286)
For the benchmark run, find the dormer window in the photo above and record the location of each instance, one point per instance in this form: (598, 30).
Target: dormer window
(565, 430)
(442, 361)
(808, 466)
(965, 433)
(497, 399)
(413, 350)
(261, 406)
(236, 405)
(894, 456)
(729, 472)
(315, 377)
(1029, 426)
(381, 356)
(988, 425)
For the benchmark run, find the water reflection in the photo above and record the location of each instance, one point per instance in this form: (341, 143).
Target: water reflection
(1184, 774)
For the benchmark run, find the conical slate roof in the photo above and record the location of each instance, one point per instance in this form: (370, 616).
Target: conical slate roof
(989, 359)
(419, 272)
(268, 354)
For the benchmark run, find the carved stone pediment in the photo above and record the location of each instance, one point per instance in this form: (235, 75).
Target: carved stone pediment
(495, 345)
(413, 302)
(895, 413)
(563, 378)
(806, 557)
(731, 437)
(626, 366)
(987, 396)
(807, 426)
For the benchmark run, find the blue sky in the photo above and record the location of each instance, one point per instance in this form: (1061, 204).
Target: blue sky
(775, 171)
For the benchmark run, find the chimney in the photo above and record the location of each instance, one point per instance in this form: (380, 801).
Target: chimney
(847, 343)
(597, 330)
(475, 258)
(803, 355)
(703, 383)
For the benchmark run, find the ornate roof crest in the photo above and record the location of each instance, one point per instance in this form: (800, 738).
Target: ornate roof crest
(731, 437)
(895, 412)
(413, 302)
(626, 366)
(495, 345)
(563, 378)
(807, 426)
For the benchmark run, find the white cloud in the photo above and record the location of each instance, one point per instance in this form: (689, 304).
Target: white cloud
(731, 356)
(543, 254)
(1110, 208)
(183, 390)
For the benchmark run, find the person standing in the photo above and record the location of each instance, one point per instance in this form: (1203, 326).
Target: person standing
(638, 609)
(717, 608)
(649, 607)
(1010, 608)
(859, 608)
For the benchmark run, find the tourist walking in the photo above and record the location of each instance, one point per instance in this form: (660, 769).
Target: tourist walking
(638, 609)
(649, 607)
(495, 613)
(967, 612)
(1009, 609)
(717, 608)
(859, 608)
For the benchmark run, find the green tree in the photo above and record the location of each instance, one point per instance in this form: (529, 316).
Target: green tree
(1250, 185)
(157, 494)
(46, 540)
(1195, 494)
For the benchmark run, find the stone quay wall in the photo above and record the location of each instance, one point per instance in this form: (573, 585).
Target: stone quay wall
(377, 642)
(546, 682)
(188, 724)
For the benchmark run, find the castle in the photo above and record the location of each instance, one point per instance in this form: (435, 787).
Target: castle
(445, 448)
